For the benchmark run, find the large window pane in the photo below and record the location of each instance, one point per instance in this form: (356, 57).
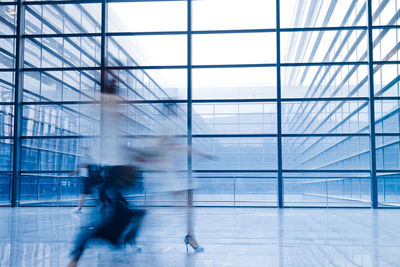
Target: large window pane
(325, 117)
(325, 81)
(303, 13)
(387, 116)
(386, 12)
(389, 189)
(51, 189)
(386, 80)
(61, 86)
(62, 52)
(233, 14)
(324, 46)
(325, 153)
(6, 150)
(5, 181)
(386, 45)
(157, 84)
(243, 48)
(7, 52)
(55, 120)
(56, 154)
(236, 153)
(327, 189)
(254, 191)
(235, 189)
(388, 152)
(153, 119)
(6, 120)
(234, 83)
(7, 86)
(153, 50)
(147, 16)
(8, 19)
(71, 18)
(235, 118)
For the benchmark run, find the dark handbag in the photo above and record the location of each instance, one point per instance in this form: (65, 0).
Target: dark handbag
(95, 174)
(125, 176)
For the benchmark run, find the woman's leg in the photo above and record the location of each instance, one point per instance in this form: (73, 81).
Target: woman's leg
(81, 201)
(189, 212)
(189, 238)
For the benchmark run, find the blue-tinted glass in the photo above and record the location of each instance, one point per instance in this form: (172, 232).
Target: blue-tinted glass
(71, 18)
(325, 117)
(326, 153)
(49, 120)
(234, 118)
(327, 189)
(6, 150)
(236, 153)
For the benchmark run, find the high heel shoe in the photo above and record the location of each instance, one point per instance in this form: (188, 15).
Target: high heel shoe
(189, 240)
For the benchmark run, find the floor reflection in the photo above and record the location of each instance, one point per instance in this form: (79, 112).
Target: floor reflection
(230, 236)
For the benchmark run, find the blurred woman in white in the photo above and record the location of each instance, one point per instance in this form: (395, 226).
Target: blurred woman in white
(163, 153)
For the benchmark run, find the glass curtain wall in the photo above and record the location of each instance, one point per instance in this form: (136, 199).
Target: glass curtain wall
(7, 85)
(280, 92)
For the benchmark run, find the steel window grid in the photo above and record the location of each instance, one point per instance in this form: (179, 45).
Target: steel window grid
(19, 69)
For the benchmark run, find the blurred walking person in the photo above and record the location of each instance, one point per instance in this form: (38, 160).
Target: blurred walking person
(162, 156)
(120, 172)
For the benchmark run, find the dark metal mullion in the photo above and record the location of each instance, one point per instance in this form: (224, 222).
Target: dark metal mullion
(60, 35)
(189, 104)
(98, 102)
(115, 34)
(382, 27)
(247, 100)
(59, 2)
(60, 69)
(351, 63)
(387, 134)
(103, 73)
(374, 181)
(15, 181)
(285, 171)
(280, 192)
(9, 3)
(237, 31)
(211, 135)
(8, 36)
(311, 29)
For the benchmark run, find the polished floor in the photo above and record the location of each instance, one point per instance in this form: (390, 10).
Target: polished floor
(231, 237)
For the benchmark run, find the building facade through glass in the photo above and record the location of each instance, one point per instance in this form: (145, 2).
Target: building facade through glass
(297, 100)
